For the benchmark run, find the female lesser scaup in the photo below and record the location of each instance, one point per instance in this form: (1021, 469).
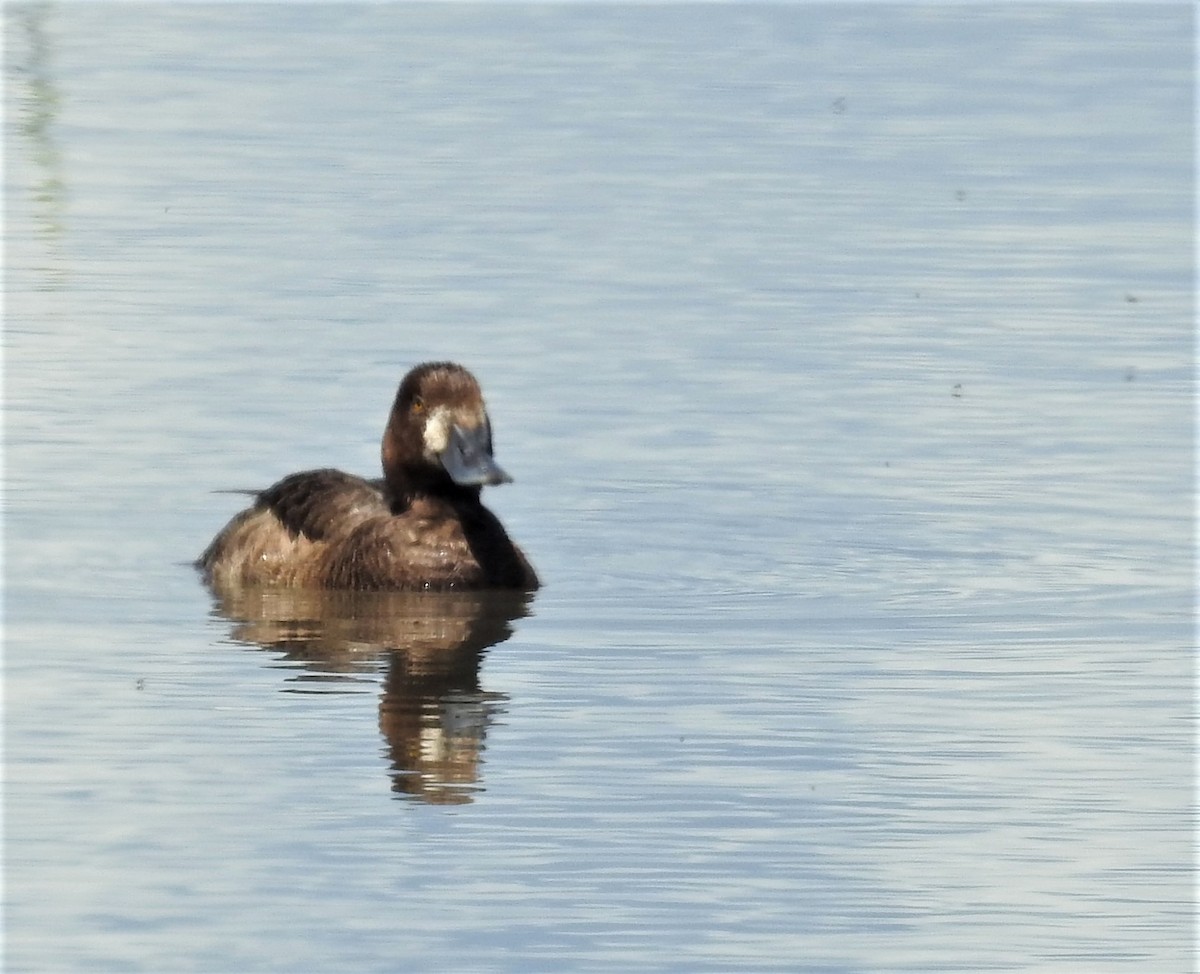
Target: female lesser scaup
(421, 527)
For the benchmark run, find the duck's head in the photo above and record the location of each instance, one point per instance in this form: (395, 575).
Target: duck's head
(438, 436)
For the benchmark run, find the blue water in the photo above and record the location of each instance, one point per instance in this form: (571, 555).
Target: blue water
(843, 358)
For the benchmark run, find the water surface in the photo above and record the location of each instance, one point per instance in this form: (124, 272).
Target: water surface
(843, 359)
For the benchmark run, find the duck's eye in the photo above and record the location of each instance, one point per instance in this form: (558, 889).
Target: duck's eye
(418, 406)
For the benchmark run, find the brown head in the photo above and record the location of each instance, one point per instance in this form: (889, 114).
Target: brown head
(438, 439)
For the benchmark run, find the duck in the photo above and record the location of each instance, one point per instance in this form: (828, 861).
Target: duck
(421, 526)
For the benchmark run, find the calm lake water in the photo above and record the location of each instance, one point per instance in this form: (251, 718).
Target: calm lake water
(843, 359)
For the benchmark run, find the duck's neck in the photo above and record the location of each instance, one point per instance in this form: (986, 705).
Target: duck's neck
(432, 495)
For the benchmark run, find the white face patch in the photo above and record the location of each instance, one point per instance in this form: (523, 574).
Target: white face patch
(437, 432)
(440, 425)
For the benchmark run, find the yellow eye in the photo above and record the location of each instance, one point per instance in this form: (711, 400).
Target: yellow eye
(418, 405)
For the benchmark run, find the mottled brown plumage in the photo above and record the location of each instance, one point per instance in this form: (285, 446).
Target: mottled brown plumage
(422, 526)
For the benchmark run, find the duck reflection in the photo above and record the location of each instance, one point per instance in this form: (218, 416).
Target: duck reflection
(433, 713)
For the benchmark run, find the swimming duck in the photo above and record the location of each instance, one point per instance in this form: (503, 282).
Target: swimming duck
(422, 526)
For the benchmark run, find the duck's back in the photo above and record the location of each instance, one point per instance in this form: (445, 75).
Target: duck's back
(324, 504)
(281, 538)
(328, 529)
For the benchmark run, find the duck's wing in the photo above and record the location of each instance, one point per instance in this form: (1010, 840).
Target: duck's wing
(322, 504)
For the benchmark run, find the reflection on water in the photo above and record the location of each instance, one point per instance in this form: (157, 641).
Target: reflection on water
(37, 105)
(433, 713)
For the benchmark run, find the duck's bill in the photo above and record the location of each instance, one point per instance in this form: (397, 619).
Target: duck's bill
(468, 458)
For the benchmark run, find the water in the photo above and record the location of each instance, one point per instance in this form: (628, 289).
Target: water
(843, 359)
